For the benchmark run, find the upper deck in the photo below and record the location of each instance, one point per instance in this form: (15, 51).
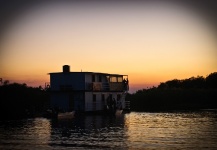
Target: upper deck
(88, 81)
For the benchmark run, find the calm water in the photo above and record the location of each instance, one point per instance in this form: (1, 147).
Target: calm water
(180, 130)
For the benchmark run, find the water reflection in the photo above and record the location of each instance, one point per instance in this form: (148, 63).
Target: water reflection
(25, 134)
(172, 130)
(179, 130)
(89, 132)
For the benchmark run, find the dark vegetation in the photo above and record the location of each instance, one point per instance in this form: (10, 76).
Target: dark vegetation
(188, 94)
(20, 101)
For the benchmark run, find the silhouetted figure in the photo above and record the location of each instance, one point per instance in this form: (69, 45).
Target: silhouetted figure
(124, 83)
(127, 84)
(107, 103)
(110, 104)
(119, 105)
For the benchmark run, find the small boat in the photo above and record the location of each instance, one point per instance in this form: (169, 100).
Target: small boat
(66, 115)
(118, 112)
(113, 112)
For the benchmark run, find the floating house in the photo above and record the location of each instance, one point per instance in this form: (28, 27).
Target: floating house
(88, 91)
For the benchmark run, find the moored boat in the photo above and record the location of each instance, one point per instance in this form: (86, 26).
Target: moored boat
(88, 92)
(66, 115)
(118, 112)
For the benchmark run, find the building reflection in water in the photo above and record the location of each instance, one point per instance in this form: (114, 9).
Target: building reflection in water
(185, 130)
(91, 131)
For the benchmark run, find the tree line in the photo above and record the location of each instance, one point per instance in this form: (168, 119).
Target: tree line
(19, 100)
(187, 94)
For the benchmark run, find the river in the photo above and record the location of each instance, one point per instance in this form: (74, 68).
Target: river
(135, 130)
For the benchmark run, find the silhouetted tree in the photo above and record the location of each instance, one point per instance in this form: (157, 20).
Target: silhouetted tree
(19, 100)
(6, 82)
(173, 83)
(192, 93)
(211, 80)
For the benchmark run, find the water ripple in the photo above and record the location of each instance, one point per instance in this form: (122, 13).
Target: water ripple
(178, 130)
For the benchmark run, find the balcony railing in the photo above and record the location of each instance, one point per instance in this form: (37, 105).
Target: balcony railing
(101, 86)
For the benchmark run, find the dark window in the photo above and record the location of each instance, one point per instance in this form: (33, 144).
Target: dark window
(110, 96)
(100, 78)
(94, 97)
(118, 97)
(103, 97)
(93, 78)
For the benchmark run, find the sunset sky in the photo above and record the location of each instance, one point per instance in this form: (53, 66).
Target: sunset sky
(151, 41)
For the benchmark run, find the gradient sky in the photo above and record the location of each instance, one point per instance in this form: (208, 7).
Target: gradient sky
(151, 41)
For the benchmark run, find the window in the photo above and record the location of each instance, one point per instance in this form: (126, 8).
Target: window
(110, 96)
(120, 79)
(93, 78)
(100, 78)
(103, 97)
(94, 97)
(118, 97)
(107, 78)
(113, 79)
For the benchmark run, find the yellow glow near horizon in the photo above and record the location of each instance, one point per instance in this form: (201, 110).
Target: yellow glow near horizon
(151, 43)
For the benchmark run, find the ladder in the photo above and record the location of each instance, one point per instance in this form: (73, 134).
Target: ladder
(125, 104)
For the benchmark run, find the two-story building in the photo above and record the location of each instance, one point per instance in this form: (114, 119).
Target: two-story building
(88, 91)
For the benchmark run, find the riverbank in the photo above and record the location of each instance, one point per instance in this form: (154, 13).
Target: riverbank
(187, 94)
(173, 99)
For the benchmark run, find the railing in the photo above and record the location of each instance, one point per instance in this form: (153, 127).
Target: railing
(116, 86)
(94, 86)
(127, 105)
(95, 106)
(97, 86)
(105, 86)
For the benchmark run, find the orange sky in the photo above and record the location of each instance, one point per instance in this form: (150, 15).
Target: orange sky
(151, 42)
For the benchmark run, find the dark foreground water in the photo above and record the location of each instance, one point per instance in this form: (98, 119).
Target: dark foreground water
(179, 130)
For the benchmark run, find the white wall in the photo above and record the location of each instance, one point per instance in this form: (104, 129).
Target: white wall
(99, 104)
(94, 106)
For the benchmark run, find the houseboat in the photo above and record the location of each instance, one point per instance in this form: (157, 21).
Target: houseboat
(88, 92)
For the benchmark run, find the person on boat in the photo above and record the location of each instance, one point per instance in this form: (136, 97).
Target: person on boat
(109, 103)
(124, 83)
(127, 84)
(119, 106)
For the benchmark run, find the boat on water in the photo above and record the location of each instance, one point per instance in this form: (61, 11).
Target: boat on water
(118, 112)
(56, 114)
(66, 115)
(88, 92)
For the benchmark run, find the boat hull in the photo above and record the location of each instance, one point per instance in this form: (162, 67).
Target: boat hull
(66, 115)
